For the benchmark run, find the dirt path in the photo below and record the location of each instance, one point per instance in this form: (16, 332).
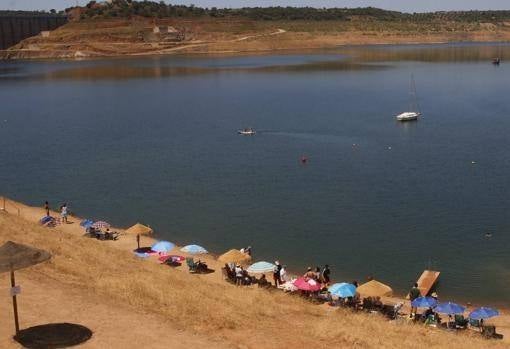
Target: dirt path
(202, 44)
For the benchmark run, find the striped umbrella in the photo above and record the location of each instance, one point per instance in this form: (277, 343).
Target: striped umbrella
(261, 268)
(194, 249)
(101, 225)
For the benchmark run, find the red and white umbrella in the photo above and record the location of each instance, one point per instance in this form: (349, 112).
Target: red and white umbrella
(101, 225)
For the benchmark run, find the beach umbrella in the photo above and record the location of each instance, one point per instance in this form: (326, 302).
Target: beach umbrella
(234, 256)
(86, 223)
(101, 225)
(307, 284)
(162, 246)
(374, 288)
(483, 313)
(342, 290)
(14, 256)
(449, 308)
(261, 268)
(424, 302)
(194, 249)
(139, 229)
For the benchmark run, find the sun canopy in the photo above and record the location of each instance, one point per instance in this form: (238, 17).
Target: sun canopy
(194, 249)
(234, 256)
(342, 290)
(139, 228)
(20, 256)
(261, 268)
(424, 302)
(483, 313)
(101, 225)
(450, 308)
(162, 246)
(307, 285)
(374, 288)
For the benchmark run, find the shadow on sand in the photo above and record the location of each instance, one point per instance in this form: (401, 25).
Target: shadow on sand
(51, 336)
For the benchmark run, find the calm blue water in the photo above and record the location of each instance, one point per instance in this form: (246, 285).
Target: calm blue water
(154, 140)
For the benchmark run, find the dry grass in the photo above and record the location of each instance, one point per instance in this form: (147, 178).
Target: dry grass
(247, 317)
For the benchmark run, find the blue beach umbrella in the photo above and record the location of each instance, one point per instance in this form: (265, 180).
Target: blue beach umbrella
(483, 313)
(86, 223)
(342, 290)
(450, 308)
(424, 302)
(194, 249)
(162, 246)
(261, 267)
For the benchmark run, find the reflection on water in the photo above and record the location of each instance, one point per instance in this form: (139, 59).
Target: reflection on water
(342, 59)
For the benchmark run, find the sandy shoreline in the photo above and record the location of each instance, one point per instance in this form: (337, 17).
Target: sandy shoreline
(127, 242)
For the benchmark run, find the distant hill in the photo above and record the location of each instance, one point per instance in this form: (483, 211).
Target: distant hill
(128, 8)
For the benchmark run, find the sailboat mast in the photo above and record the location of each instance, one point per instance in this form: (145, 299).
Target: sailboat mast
(413, 103)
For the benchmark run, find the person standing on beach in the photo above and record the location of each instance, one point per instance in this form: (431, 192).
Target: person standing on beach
(239, 275)
(276, 273)
(63, 212)
(47, 208)
(283, 274)
(413, 294)
(326, 275)
(317, 276)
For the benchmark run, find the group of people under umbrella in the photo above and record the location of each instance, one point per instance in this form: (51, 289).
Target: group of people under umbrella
(313, 284)
(316, 285)
(99, 230)
(161, 249)
(454, 311)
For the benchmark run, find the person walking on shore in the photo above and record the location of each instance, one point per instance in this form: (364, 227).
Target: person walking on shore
(63, 212)
(47, 208)
(413, 294)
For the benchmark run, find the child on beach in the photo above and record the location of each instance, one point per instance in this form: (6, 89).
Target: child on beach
(63, 213)
(47, 208)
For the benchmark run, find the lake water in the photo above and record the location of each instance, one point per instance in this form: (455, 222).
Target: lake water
(154, 140)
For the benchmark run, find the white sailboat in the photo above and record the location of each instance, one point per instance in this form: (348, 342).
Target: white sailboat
(413, 112)
(247, 132)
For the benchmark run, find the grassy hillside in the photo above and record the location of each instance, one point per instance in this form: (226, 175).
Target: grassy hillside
(245, 317)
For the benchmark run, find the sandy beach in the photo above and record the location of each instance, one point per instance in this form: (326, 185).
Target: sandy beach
(127, 302)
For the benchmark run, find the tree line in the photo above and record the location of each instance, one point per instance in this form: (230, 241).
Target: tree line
(146, 8)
